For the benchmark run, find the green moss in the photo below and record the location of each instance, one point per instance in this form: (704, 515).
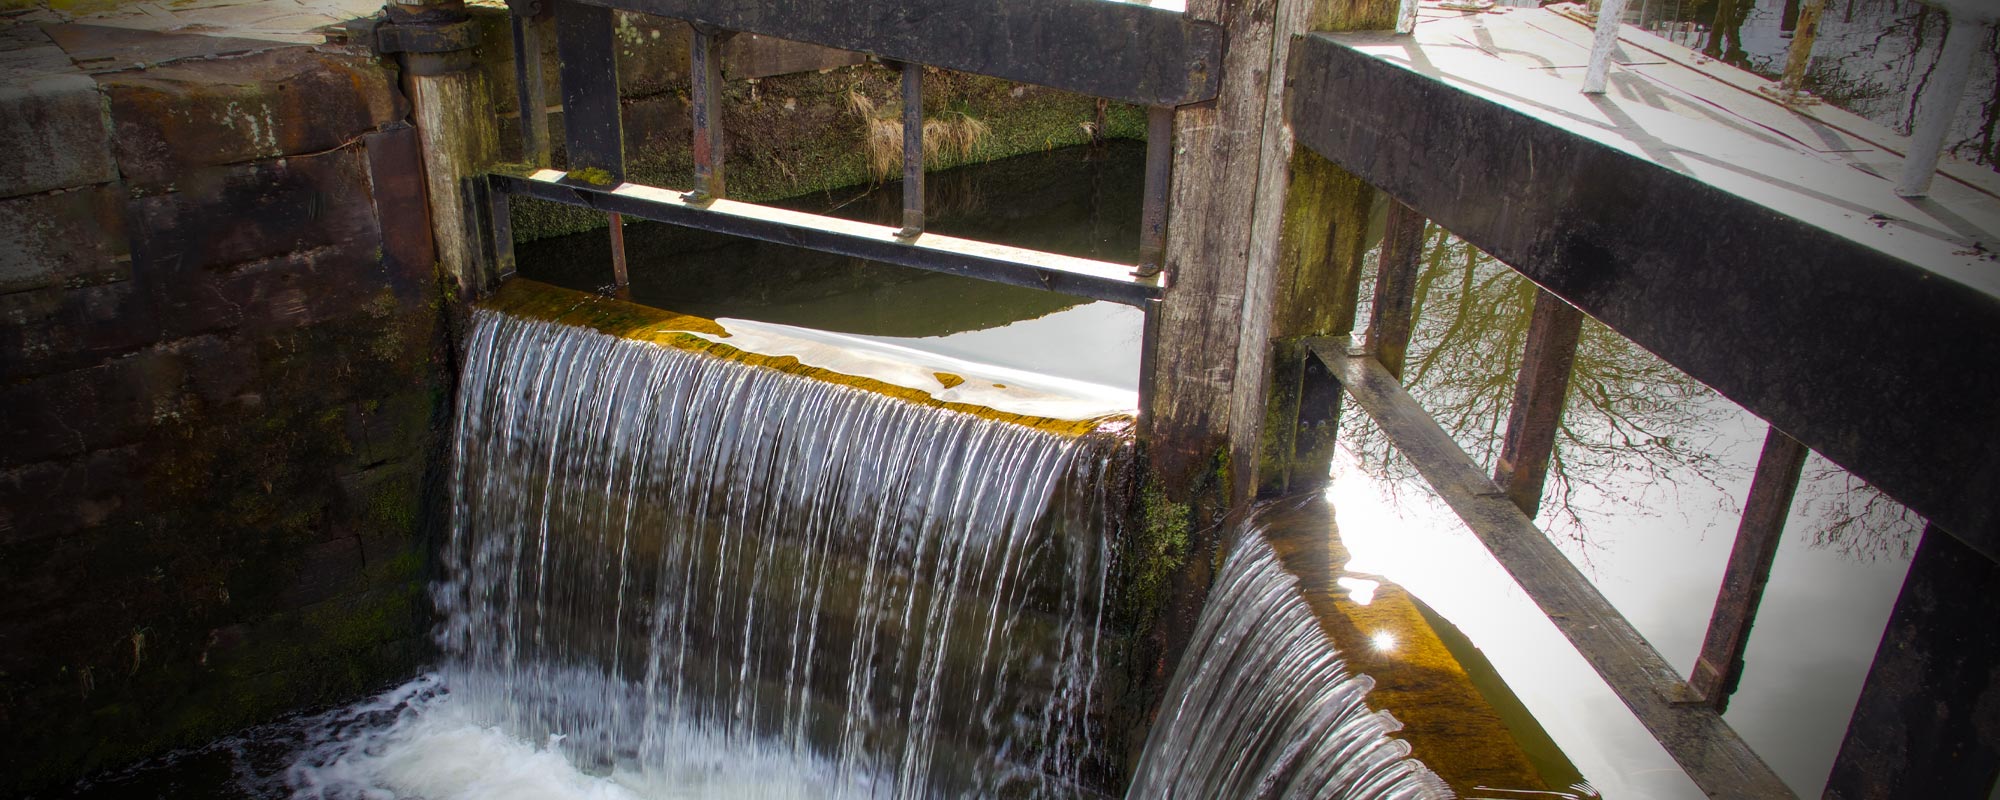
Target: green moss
(1160, 550)
(593, 176)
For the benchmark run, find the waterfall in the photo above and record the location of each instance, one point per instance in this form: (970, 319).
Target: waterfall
(730, 579)
(1262, 705)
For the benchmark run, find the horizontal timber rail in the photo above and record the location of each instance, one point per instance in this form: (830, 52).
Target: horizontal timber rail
(1098, 280)
(1122, 51)
(1692, 732)
(1866, 335)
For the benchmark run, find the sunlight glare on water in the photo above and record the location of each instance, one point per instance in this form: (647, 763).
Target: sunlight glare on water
(1403, 533)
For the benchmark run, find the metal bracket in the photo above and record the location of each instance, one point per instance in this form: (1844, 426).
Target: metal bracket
(385, 37)
(721, 34)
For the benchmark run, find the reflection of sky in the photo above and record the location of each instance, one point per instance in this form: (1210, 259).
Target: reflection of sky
(1658, 555)
(1660, 565)
(1094, 342)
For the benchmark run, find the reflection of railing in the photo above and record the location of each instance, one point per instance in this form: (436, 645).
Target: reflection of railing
(1119, 51)
(1936, 99)
(1880, 356)
(1686, 717)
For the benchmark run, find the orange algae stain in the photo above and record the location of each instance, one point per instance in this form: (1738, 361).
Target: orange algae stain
(1459, 718)
(949, 380)
(528, 299)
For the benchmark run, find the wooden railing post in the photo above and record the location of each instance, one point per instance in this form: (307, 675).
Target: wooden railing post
(1539, 395)
(526, 18)
(1804, 34)
(1610, 16)
(1720, 665)
(593, 130)
(1941, 96)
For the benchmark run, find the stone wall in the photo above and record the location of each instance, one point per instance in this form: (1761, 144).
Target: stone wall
(221, 387)
(225, 362)
(796, 117)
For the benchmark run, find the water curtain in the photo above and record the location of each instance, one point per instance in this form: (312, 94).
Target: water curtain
(1263, 705)
(738, 580)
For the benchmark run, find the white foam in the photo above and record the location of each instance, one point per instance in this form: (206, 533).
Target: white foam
(435, 748)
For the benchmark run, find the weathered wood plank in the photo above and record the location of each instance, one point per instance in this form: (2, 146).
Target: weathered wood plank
(1539, 395)
(1254, 244)
(593, 132)
(1720, 665)
(1217, 172)
(1695, 736)
(452, 110)
(705, 107)
(1123, 51)
(1926, 723)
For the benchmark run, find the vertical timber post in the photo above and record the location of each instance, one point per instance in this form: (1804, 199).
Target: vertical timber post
(913, 151)
(452, 109)
(593, 133)
(1159, 178)
(1928, 721)
(705, 77)
(526, 18)
(1245, 227)
(1389, 319)
(1262, 245)
(593, 129)
(1314, 284)
(1539, 395)
(1720, 664)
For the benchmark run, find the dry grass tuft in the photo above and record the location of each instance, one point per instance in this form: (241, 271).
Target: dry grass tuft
(884, 145)
(967, 132)
(861, 105)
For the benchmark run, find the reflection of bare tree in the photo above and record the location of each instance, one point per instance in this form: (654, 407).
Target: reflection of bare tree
(1872, 57)
(1635, 429)
(1853, 518)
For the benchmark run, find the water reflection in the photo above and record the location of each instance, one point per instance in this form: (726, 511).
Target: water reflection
(1869, 56)
(1647, 479)
(1080, 201)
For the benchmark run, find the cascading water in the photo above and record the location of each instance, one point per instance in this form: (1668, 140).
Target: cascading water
(1263, 707)
(674, 575)
(709, 579)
